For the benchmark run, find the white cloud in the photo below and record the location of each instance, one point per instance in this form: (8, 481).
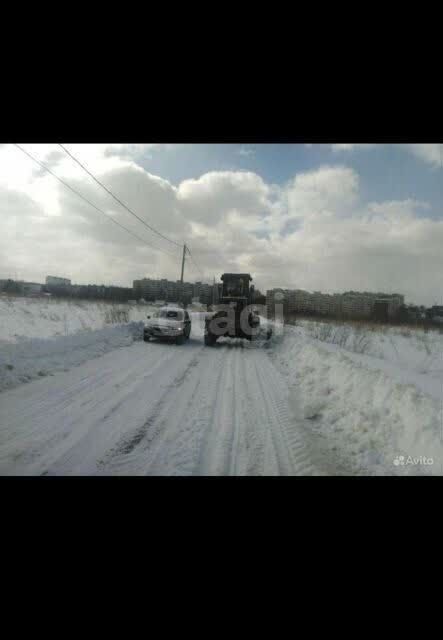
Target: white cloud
(430, 153)
(352, 147)
(387, 248)
(395, 209)
(315, 232)
(323, 191)
(215, 195)
(246, 151)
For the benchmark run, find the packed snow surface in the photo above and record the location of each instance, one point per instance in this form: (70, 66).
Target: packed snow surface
(308, 402)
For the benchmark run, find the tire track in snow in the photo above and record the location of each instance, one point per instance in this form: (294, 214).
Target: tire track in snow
(145, 435)
(177, 450)
(84, 415)
(217, 445)
(230, 423)
(292, 456)
(181, 423)
(253, 430)
(257, 429)
(161, 410)
(250, 444)
(238, 410)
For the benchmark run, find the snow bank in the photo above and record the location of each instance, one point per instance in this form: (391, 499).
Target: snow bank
(362, 413)
(408, 347)
(30, 359)
(24, 318)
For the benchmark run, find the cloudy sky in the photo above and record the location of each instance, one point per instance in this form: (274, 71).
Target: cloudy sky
(318, 217)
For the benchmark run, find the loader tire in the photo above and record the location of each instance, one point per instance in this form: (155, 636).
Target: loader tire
(210, 339)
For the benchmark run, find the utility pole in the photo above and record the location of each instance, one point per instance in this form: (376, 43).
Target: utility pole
(183, 263)
(183, 270)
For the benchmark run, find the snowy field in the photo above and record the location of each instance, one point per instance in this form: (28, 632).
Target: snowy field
(318, 400)
(25, 318)
(377, 412)
(40, 337)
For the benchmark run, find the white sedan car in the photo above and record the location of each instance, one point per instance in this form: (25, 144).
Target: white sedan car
(168, 323)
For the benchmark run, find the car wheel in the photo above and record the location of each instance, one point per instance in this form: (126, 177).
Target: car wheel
(180, 340)
(146, 338)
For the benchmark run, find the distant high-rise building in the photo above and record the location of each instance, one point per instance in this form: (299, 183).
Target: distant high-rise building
(348, 304)
(172, 291)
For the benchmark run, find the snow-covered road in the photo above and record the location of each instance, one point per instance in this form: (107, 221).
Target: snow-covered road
(102, 402)
(161, 409)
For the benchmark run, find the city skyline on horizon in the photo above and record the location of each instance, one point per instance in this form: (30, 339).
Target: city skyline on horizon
(262, 291)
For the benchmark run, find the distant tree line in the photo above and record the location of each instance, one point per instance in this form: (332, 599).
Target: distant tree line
(10, 286)
(405, 314)
(91, 292)
(87, 291)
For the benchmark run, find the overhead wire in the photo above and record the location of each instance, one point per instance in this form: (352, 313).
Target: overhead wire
(194, 261)
(150, 227)
(137, 237)
(127, 208)
(68, 186)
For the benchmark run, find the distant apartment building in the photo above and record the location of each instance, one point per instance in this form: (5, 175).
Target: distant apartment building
(367, 304)
(347, 304)
(206, 294)
(150, 289)
(435, 313)
(154, 289)
(21, 287)
(54, 281)
(197, 289)
(31, 288)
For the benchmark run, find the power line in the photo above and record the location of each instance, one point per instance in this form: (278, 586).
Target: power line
(197, 272)
(221, 261)
(193, 260)
(118, 199)
(127, 208)
(91, 203)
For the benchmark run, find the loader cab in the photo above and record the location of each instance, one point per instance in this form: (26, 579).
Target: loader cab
(235, 285)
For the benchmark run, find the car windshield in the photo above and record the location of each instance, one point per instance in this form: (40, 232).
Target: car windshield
(173, 315)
